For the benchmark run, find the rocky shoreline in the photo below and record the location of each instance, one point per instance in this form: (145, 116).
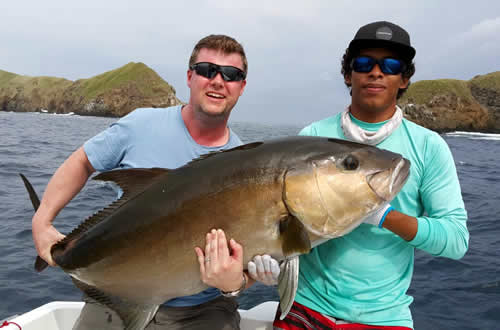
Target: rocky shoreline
(454, 105)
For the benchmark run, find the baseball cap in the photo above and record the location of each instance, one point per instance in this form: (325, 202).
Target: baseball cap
(383, 34)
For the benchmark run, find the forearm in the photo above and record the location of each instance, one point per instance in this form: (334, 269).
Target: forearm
(401, 224)
(446, 237)
(66, 182)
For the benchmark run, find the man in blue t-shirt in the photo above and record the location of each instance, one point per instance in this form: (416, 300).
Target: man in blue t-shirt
(360, 281)
(167, 138)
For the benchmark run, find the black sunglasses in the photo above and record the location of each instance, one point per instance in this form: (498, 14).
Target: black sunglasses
(365, 64)
(210, 70)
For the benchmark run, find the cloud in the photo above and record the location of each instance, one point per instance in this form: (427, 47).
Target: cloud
(483, 37)
(486, 30)
(293, 47)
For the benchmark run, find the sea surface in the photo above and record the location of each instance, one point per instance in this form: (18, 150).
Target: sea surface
(449, 294)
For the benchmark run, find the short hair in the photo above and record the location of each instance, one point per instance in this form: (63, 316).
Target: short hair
(220, 42)
(347, 68)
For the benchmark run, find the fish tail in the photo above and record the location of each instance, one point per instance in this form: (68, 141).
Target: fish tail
(135, 316)
(33, 196)
(40, 264)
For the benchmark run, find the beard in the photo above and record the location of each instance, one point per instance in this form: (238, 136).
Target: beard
(212, 116)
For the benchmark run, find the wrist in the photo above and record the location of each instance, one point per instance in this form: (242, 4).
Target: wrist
(384, 216)
(237, 292)
(43, 217)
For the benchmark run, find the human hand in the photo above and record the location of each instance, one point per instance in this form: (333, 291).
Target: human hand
(377, 218)
(44, 236)
(218, 267)
(264, 269)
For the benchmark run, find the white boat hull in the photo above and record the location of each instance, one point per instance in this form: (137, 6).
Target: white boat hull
(61, 315)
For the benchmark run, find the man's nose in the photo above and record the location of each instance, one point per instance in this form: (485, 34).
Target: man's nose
(218, 80)
(376, 71)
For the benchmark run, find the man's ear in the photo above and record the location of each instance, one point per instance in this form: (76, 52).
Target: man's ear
(243, 84)
(189, 76)
(347, 79)
(404, 82)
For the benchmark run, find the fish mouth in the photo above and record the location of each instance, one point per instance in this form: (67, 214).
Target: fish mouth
(387, 183)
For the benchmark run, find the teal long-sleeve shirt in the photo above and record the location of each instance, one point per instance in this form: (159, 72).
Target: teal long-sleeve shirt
(364, 276)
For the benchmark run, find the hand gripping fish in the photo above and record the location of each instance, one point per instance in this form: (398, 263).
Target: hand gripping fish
(281, 197)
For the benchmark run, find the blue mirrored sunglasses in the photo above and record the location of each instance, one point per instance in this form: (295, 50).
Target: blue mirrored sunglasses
(365, 64)
(210, 70)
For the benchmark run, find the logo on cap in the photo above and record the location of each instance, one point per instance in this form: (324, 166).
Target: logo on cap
(384, 33)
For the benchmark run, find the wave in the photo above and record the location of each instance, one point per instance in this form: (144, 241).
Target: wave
(475, 135)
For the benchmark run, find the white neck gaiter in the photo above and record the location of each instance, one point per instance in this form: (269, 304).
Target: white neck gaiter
(355, 133)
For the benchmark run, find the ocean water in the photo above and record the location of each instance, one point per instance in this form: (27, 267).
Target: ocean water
(449, 294)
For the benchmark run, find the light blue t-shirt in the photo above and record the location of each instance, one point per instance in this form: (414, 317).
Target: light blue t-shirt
(152, 137)
(364, 276)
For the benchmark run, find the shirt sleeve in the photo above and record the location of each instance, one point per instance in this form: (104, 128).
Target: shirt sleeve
(442, 231)
(308, 131)
(106, 150)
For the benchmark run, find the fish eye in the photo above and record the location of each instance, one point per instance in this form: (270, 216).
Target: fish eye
(350, 163)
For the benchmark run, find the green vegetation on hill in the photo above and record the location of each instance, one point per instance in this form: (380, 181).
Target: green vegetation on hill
(146, 80)
(423, 91)
(6, 77)
(12, 81)
(488, 81)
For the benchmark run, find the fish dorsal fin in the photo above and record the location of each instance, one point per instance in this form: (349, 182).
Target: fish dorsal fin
(132, 181)
(294, 238)
(135, 316)
(288, 282)
(213, 153)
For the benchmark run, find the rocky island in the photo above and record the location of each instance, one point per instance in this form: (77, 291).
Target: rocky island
(445, 105)
(114, 93)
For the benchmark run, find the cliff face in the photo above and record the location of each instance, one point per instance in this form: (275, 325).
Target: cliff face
(114, 93)
(486, 90)
(454, 105)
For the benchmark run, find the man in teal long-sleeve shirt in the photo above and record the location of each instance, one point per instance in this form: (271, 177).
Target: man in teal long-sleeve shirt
(362, 278)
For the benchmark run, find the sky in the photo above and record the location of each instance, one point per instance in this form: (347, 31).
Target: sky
(293, 47)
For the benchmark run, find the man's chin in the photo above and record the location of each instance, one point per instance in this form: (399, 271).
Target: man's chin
(215, 113)
(374, 107)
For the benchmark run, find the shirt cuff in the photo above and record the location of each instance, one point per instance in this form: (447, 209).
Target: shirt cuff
(96, 164)
(423, 232)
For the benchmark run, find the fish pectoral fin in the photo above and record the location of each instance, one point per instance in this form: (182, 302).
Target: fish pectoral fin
(287, 284)
(135, 316)
(294, 238)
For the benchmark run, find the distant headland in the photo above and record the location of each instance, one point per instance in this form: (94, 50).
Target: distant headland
(442, 105)
(445, 105)
(113, 94)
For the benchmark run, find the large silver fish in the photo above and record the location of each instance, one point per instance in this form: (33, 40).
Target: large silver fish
(280, 197)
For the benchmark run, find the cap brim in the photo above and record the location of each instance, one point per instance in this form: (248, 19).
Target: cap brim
(407, 52)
